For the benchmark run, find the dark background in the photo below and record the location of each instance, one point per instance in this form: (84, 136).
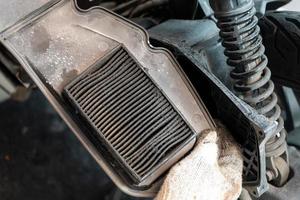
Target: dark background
(40, 158)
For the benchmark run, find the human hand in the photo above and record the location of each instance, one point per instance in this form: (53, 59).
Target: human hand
(212, 171)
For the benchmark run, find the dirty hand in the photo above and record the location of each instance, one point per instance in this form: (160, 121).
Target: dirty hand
(212, 171)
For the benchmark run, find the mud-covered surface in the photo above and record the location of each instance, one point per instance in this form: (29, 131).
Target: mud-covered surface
(41, 159)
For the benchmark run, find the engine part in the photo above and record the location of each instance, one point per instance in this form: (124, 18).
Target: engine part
(251, 76)
(150, 4)
(290, 189)
(196, 45)
(129, 104)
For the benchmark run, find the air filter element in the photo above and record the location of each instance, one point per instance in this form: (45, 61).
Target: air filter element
(130, 115)
(129, 104)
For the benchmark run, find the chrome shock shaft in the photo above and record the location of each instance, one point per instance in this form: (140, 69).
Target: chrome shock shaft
(251, 77)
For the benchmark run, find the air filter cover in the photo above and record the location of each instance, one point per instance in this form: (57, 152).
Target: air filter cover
(129, 104)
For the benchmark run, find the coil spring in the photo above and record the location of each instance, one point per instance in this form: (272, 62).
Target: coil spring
(251, 76)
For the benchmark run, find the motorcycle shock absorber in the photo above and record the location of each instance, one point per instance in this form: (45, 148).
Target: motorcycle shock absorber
(251, 77)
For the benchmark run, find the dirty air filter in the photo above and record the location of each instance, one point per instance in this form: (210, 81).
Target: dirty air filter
(129, 114)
